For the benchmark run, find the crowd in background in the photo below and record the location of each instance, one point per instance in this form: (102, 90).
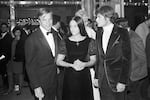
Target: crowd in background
(15, 67)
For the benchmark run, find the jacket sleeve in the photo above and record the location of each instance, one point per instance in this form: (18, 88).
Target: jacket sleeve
(30, 63)
(126, 56)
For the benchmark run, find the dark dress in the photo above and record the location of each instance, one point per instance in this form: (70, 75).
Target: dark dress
(77, 84)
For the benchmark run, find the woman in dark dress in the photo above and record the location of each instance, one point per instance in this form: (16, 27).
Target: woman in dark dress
(16, 63)
(77, 54)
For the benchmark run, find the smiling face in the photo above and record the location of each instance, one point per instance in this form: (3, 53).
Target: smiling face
(46, 21)
(74, 27)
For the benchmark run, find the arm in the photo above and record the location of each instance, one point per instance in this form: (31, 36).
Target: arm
(139, 52)
(31, 61)
(60, 61)
(126, 57)
(90, 63)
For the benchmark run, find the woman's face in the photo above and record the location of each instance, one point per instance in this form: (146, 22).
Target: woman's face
(17, 33)
(101, 20)
(74, 27)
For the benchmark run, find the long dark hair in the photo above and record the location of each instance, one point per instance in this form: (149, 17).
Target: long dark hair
(81, 25)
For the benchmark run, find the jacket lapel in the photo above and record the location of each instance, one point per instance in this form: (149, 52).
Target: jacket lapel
(99, 41)
(113, 39)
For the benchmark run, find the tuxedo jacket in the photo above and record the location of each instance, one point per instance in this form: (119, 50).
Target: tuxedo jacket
(40, 63)
(138, 64)
(115, 63)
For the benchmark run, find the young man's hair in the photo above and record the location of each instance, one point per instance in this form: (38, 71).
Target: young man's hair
(106, 11)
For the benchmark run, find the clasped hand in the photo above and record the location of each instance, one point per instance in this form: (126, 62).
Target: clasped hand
(78, 65)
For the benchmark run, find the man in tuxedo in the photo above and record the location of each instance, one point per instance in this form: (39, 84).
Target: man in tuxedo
(40, 50)
(5, 50)
(113, 57)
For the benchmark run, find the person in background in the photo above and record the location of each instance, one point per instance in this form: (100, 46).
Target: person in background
(60, 71)
(143, 29)
(16, 64)
(41, 47)
(27, 29)
(83, 14)
(138, 63)
(113, 58)
(146, 85)
(72, 55)
(64, 30)
(5, 49)
(56, 25)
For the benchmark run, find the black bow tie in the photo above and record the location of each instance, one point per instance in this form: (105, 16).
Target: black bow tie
(49, 33)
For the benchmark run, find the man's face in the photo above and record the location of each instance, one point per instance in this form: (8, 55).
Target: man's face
(46, 21)
(124, 24)
(101, 20)
(4, 28)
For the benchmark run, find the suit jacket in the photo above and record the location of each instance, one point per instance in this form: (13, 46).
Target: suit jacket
(5, 47)
(40, 63)
(115, 64)
(138, 64)
(147, 50)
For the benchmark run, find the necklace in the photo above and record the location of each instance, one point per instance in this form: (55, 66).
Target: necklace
(77, 43)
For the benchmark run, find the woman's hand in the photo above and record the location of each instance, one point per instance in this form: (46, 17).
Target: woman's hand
(120, 87)
(79, 65)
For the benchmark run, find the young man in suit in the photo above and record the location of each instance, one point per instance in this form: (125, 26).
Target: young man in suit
(113, 58)
(40, 50)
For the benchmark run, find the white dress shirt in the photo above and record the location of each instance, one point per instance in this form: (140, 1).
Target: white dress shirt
(106, 35)
(50, 40)
(3, 35)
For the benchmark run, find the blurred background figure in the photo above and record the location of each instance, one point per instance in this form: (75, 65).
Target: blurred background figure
(143, 29)
(138, 64)
(15, 68)
(83, 14)
(27, 29)
(5, 49)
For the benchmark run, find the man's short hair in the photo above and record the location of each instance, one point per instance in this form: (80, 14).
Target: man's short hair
(106, 11)
(42, 11)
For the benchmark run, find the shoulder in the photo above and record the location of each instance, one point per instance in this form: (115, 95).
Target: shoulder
(123, 33)
(134, 36)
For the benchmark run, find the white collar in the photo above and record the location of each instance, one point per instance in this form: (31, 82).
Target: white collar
(44, 31)
(108, 27)
(54, 28)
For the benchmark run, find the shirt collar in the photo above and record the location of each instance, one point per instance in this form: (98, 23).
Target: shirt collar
(108, 27)
(3, 34)
(54, 28)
